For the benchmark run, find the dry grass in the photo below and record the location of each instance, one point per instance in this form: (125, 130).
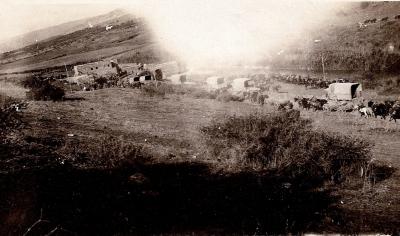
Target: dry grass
(12, 90)
(169, 128)
(104, 151)
(384, 134)
(162, 89)
(285, 143)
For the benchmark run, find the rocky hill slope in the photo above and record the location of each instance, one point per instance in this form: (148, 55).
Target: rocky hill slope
(364, 36)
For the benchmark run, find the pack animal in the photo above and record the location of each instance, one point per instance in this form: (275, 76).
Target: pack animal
(366, 111)
(380, 110)
(394, 114)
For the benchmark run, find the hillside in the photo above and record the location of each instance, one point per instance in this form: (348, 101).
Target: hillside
(129, 40)
(347, 45)
(113, 17)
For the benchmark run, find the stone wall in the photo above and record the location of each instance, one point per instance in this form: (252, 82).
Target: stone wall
(99, 68)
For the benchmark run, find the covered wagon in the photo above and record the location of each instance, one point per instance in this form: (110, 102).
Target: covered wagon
(344, 91)
(215, 83)
(177, 78)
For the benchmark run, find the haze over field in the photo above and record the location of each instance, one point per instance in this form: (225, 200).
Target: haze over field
(198, 32)
(208, 32)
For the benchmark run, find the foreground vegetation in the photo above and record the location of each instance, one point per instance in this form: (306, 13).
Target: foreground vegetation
(42, 89)
(286, 144)
(144, 156)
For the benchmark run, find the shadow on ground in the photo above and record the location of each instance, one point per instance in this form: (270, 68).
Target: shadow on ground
(155, 198)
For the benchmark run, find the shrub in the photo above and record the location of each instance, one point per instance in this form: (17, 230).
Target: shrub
(41, 89)
(10, 119)
(285, 143)
(47, 92)
(104, 151)
(155, 90)
(101, 81)
(33, 82)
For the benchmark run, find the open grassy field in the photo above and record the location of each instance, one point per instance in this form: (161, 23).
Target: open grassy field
(175, 120)
(169, 129)
(166, 125)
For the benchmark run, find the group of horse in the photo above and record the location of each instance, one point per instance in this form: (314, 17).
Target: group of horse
(383, 110)
(387, 109)
(375, 20)
(309, 82)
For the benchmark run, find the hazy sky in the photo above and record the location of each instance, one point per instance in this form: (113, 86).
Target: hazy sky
(198, 31)
(219, 32)
(19, 17)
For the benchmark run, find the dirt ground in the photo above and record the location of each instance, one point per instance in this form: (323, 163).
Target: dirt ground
(169, 128)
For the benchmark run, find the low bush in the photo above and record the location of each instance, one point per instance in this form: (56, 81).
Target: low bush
(155, 90)
(42, 89)
(47, 92)
(33, 82)
(10, 119)
(285, 143)
(104, 151)
(100, 81)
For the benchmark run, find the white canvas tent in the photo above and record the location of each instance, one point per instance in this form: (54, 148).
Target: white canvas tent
(344, 91)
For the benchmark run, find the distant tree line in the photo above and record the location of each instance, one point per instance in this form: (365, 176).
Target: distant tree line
(375, 60)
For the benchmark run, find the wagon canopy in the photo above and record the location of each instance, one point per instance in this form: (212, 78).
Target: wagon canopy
(178, 78)
(344, 91)
(242, 84)
(215, 82)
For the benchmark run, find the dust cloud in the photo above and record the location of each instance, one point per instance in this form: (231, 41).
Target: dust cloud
(205, 33)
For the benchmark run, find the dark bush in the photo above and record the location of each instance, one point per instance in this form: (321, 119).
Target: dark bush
(101, 81)
(285, 143)
(33, 82)
(43, 89)
(104, 151)
(10, 119)
(47, 92)
(155, 90)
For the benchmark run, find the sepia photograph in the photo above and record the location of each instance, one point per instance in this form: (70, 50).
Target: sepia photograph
(199, 117)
